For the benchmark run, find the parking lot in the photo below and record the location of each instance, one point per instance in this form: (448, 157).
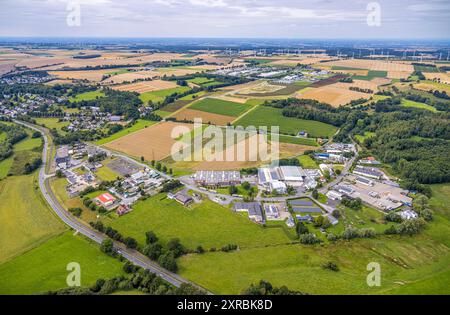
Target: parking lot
(382, 196)
(123, 167)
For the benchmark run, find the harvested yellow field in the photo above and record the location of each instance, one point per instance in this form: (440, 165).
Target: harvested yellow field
(6, 67)
(245, 155)
(153, 143)
(261, 88)
(381, 81)
(146, 86)
(441, 77)
(131, 76)
(398, 74)
(375, 65)
(432, 86)
(211, 58)
(232, 98)
(362, 84)
(90, 75)
(151, 74)
(334, 96)
(236, 88)
(191, 114)
(105, 59)
(352, 72)
(179, 71)
(304, 60)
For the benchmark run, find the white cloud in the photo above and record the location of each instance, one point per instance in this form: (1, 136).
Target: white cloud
(209, 3)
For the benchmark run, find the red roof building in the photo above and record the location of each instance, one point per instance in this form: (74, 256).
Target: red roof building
(106, 199)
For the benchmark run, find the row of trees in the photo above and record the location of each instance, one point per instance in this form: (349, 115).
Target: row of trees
(135, 278)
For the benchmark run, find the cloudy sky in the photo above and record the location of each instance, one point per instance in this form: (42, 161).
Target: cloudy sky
(227, 18)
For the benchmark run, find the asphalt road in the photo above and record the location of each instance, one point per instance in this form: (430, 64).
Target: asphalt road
(133, 256)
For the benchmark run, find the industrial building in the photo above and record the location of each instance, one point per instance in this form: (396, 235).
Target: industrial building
(253, 209)
(62, 158)
(370, 172)
(270, 177)
(272, 212)
(217, 178)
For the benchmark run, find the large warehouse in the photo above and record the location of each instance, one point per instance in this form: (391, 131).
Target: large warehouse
(217, 178)
(288, 175)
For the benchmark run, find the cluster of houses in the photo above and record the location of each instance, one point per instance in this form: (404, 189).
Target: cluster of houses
(127, 191)
(28, 103)
(26, 79)
(120, 196)
(90, 118)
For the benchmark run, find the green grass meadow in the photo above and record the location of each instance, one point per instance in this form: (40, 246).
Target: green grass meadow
(53, 123)
(45, 268)
(26, 219)
(88, 96)
(206, 224)
(221, 107)
(270, 116)
(408, 103)
(159, 96)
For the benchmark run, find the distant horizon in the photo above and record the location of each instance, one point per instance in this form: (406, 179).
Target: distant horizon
(225, 37)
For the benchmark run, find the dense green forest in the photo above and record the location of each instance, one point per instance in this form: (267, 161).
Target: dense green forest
(13, 135)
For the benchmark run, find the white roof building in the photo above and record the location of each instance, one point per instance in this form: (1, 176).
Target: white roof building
(292, 173)
(280, 187)
(408, 214)
(310, 183)
(334, 195)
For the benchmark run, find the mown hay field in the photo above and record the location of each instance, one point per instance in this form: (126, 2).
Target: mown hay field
(153, 143)
(146, 86)
(334, 96)
(188, 114)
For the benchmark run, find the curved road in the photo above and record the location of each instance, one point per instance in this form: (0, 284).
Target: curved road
(133, 256)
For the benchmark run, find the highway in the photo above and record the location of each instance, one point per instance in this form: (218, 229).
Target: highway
(133, 256)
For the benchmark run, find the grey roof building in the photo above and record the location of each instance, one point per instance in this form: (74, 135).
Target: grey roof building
(254, 210)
